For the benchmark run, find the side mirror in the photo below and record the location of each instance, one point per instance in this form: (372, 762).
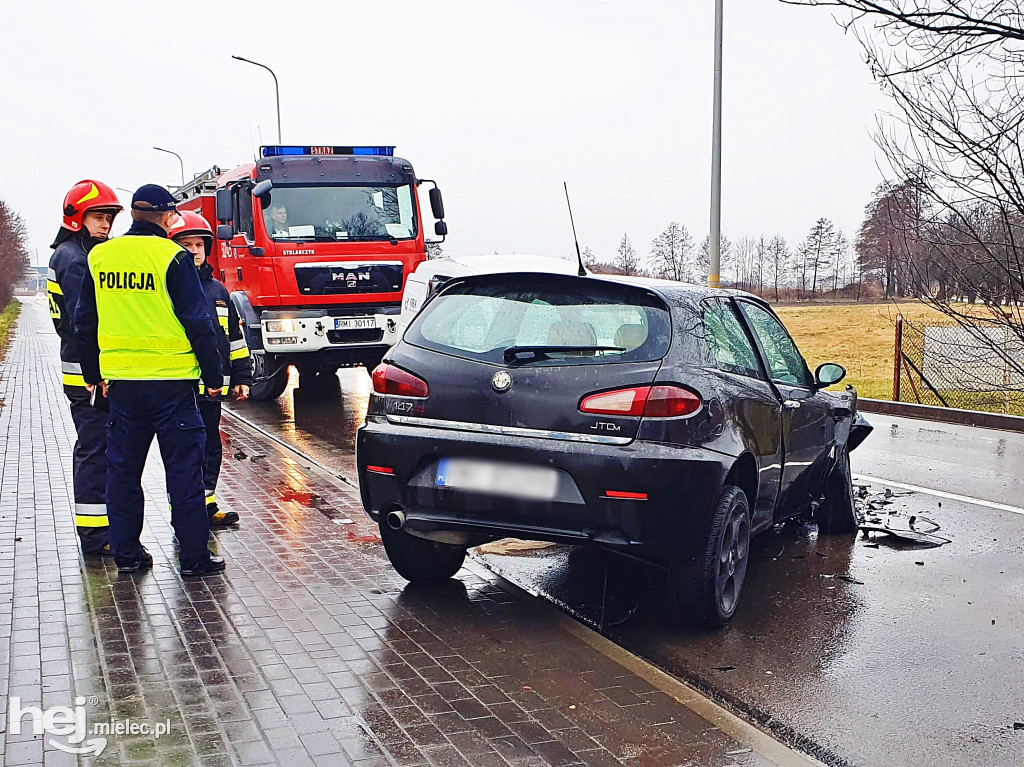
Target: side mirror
(436, 203)
(262, 187)
(440, 228)
(224, 231)
(224, 206)
(829, 374)
(259, 252)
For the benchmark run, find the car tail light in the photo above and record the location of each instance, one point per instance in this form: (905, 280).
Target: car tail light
(388, 379)
(648, 401)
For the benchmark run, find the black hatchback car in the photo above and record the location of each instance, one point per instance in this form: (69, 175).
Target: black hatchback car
(666, 420)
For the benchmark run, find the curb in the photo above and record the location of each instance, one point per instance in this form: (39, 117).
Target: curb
(946, 415)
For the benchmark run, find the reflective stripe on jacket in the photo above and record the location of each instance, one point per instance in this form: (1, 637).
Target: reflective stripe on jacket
(234, 353)
(68, 264)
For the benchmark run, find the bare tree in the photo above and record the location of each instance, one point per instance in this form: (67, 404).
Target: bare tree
(778, 261)
(954, 70)
(13, 252)
(703, 260)
(744, 263)
(672, 253)
(626, 260)
(435, 250)
(762, 255)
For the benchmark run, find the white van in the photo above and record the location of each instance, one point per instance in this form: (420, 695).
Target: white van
(431, 274)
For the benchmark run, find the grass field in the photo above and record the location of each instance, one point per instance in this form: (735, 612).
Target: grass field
(860, 337)
(7, 318)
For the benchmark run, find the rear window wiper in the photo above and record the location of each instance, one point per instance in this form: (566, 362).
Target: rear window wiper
(527, 353)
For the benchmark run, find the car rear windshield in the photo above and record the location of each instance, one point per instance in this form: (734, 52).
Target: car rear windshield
(548, 320)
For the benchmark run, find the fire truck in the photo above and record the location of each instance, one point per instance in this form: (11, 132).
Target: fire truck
(314, 244)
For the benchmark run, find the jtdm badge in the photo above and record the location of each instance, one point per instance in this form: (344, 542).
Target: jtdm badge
(501, 381)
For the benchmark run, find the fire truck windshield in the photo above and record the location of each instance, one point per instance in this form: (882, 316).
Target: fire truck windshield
(340, 213)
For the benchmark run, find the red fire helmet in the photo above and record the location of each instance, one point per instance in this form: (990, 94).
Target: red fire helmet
(85, 196)
(191, 224)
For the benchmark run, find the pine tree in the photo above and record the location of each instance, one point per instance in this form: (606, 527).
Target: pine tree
(626, 259)
(816, 252)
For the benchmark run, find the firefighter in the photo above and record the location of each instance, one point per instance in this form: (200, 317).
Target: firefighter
(144, 340)
(89, 211)
(194, 234)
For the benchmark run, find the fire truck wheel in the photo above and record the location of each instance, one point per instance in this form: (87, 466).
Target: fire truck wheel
(271, 387)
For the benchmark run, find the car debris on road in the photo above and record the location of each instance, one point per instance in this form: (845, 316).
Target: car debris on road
(873, 517)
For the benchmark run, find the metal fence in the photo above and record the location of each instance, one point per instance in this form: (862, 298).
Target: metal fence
(949, 365)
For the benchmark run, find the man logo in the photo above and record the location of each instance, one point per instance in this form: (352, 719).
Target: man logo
(501, 381)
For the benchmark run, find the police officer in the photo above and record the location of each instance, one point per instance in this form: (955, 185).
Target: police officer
(194, 234)
(89, 211)
(142, 326)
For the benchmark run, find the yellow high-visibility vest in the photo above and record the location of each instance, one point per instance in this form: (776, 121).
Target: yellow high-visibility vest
(140, 337)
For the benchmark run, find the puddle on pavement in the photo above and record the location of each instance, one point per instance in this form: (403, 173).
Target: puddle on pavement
(290, 490)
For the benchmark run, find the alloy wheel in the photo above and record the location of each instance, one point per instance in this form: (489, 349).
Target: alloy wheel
(733, 552)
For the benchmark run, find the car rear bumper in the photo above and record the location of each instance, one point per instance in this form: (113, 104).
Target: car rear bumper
(680, 484)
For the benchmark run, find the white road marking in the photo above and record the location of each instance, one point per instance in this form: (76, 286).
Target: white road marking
(940, 494)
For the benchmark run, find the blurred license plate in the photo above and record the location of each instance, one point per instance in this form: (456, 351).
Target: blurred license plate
(532, 482)
(355, 323)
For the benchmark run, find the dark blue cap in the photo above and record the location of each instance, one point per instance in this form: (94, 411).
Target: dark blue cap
(153, 197)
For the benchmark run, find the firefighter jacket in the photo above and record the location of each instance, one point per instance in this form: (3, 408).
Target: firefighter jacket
(141, 313)
(234, 353)
(68, 264)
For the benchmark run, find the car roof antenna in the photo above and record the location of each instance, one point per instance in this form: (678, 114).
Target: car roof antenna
(579, 258)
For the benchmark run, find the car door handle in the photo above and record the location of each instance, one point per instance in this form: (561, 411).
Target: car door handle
(791, 404)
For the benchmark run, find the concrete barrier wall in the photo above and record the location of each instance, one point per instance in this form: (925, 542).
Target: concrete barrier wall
(947, 415)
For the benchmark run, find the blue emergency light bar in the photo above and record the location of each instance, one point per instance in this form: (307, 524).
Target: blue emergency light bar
(287, 151)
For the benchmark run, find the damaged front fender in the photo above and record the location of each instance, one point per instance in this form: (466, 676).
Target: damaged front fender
(859, 431)
(851, 428)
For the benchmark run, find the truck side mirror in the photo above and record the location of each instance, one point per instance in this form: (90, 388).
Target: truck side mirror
(224, 231)
(262, 187)
(436, 203)
(224, 206)
(440, 228)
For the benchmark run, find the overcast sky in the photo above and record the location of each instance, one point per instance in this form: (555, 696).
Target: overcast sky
(499, 101)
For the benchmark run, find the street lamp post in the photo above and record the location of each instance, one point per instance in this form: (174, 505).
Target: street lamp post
(715, 237)
(277, 92)
(182, 164)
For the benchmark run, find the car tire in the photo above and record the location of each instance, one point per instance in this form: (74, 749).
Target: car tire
(837, 514)
(705, 585)
(419, 560)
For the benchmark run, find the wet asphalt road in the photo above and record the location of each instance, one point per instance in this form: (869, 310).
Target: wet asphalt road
(861, 652)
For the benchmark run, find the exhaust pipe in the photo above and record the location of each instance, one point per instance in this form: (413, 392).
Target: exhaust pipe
(395, 520)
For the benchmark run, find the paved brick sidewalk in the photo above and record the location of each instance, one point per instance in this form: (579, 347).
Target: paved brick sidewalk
(309, 650)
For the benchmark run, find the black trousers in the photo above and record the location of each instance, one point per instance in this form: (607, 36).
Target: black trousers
(210, 410)
(89, 470)
(140, 410)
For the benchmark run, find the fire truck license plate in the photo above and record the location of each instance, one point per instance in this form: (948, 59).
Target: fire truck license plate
(355, 323)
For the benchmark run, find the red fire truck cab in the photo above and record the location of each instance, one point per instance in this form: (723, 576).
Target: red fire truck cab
(314, 244)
